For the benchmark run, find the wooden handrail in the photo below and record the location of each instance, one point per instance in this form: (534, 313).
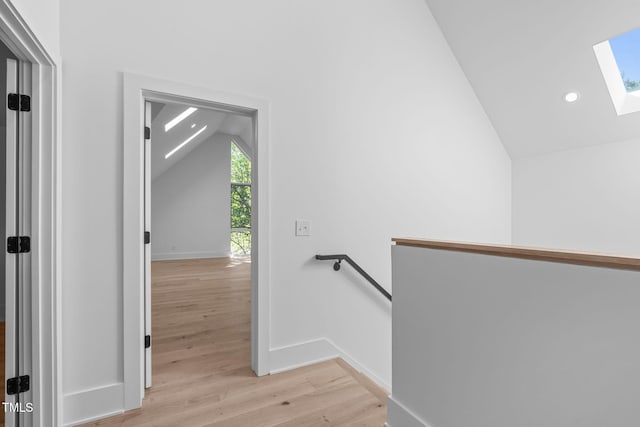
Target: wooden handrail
(552, 255)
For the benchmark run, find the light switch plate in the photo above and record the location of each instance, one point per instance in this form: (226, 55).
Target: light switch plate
(303, 227)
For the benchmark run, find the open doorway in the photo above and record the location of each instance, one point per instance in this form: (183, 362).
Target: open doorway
(15, 303)
(198, 218)
(136, 260)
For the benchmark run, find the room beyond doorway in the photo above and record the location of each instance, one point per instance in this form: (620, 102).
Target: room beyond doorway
(197, 200)
(200, 182)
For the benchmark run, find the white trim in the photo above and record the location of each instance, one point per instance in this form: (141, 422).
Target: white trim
(399, 415)
(81, 407)
(46, 221)
(306, 353)
(319, 350)
(188, 255)
(136, 89)
(28, 300)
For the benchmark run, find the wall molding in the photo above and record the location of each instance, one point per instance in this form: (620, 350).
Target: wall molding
(188, 255)
(306, 353)
(93, 404)
(400, 416)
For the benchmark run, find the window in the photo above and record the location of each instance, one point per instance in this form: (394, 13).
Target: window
(619, 59)
(626, 50)
(240, 202)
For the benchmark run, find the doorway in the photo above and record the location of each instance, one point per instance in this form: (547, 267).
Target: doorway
(138, 90)
(16, 327)
(31, 226)
(5, 54)
(197, 236)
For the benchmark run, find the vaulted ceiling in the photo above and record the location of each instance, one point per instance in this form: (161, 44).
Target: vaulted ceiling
(521, 57)
(216, 122)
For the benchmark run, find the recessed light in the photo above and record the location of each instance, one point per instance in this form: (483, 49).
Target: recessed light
(193, 125)
(170, 153)
(572, 96)
(180, 117)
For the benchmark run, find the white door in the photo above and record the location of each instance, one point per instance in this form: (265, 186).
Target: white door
(18, 395)
(147, 244)
(11, 369)
(24, 259)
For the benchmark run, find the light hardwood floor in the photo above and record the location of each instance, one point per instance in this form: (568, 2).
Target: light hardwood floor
(202, 365)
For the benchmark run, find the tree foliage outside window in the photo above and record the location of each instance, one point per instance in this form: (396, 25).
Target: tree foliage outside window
(630, 85)
(240, 202)
(240, 166)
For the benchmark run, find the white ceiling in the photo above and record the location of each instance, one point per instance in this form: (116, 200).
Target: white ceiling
(217, 122)
(521, 57)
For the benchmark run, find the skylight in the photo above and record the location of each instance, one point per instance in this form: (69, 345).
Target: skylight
(619, 60)
(626, 51)
(180, 117)
(172, 152)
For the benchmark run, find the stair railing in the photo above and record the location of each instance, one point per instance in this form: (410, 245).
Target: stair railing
(337, 264)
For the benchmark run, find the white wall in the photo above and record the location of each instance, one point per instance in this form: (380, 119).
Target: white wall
(586, 199)
(512, 342)
(190, 204)
(375, 132)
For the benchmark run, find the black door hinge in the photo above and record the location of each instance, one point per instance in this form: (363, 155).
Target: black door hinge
(147, 341)
(18, 384)
(147, 132)
(18, 244)
(13, 101)
(17, 102)
(147, 237)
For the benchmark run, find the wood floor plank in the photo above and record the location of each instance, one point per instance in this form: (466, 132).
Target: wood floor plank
(366, 382)
(202, 362)
(353, 410)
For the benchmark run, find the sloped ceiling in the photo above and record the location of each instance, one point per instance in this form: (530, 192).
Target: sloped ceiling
(217, 122)
(521, 57)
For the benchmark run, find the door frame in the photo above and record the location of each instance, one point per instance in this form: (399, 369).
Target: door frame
(46, 372)
(138, 89)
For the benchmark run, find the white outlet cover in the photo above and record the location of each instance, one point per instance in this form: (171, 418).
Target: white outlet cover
(303, 227)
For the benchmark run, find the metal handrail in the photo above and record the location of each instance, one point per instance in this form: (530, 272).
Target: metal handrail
(336, 267)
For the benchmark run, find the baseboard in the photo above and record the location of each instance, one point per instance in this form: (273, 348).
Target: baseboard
(82, 407)
(302, 354)
(399, 416)
(315, 351)
(188, 255)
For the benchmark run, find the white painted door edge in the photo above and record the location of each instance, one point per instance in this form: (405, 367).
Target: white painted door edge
(11, 271)
(147, 246)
